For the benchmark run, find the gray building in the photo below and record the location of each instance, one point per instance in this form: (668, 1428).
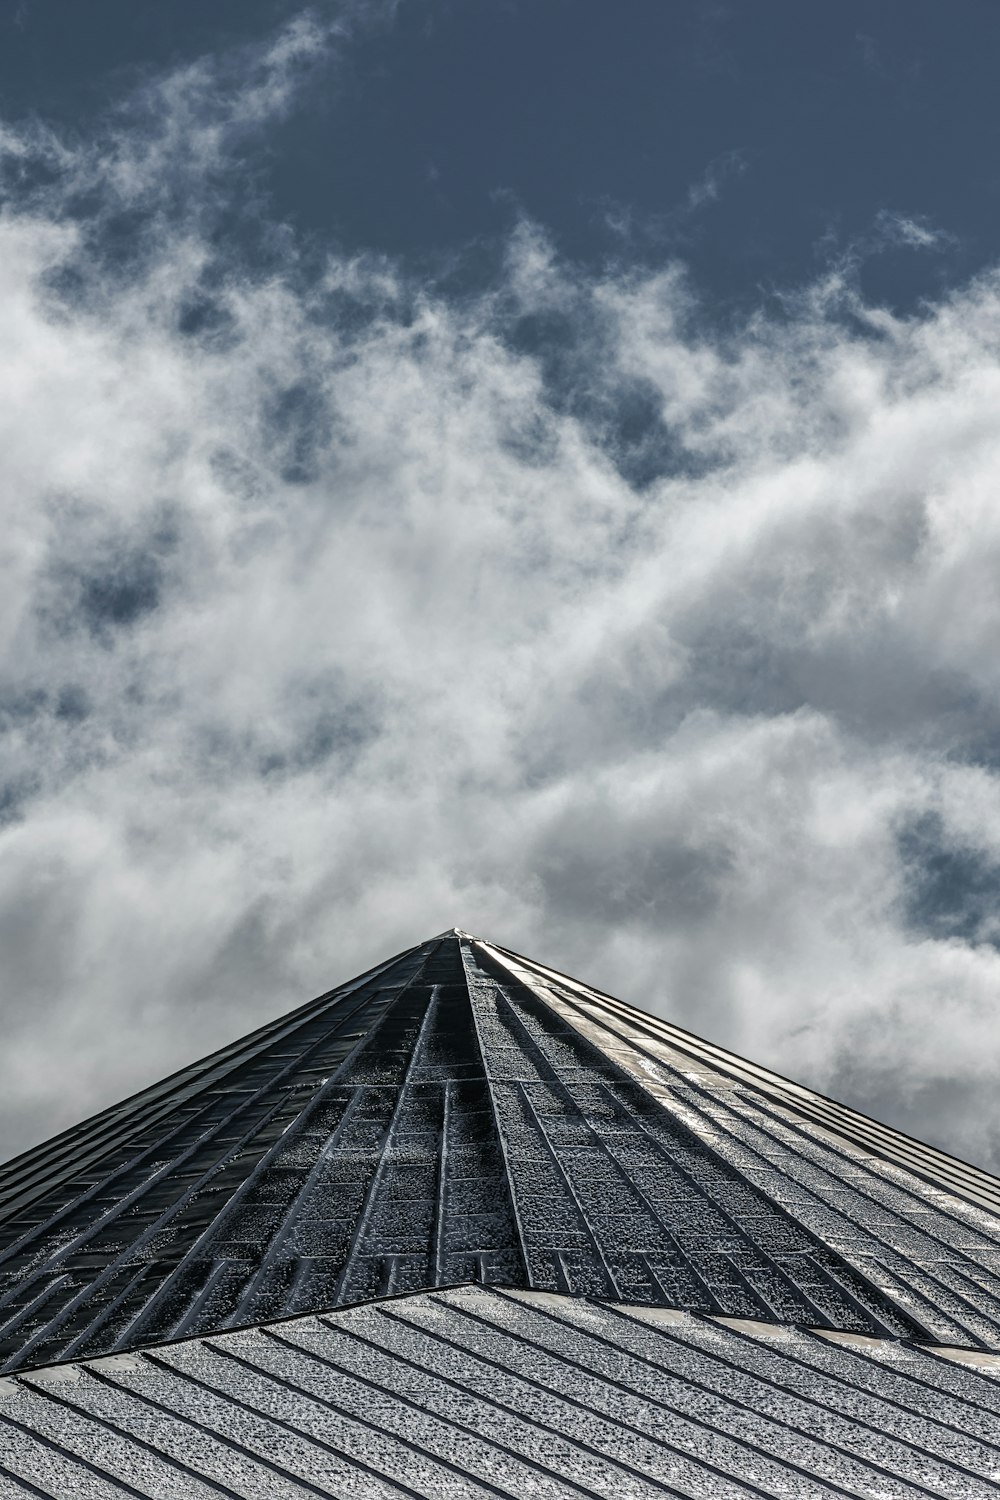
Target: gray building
(465, 1226)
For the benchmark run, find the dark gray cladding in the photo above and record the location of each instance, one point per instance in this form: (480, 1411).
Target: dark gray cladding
(478, 1393)
(346, 1151)
(461, 1114)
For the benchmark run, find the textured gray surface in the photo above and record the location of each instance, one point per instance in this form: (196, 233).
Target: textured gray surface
(914, 1222)
(462, 1114)
(479, 1392)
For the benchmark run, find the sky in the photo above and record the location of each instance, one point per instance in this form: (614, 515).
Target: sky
(529, 467)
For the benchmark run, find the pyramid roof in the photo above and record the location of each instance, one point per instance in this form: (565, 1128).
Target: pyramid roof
(460, 1113)
(378, 1244)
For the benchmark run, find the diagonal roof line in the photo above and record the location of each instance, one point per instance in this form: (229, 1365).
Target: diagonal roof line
(960, 1178)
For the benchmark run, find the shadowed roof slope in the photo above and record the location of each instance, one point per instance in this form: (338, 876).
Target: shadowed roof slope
(460, 1113)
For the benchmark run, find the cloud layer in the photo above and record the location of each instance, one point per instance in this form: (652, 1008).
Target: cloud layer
(341, 607)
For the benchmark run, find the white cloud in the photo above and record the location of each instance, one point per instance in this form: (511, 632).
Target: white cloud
(336, 613)
(709, 186)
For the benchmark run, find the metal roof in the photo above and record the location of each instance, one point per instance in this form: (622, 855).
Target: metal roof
(481, 1392)
(460, 1113)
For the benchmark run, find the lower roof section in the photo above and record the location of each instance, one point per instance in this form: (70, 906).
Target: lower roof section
(476, 1391)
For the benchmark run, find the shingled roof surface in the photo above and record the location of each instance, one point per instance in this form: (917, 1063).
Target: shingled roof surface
(482, 1392)
(611, 1184)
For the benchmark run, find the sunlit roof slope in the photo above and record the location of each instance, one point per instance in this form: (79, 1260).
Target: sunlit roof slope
(479, 1392)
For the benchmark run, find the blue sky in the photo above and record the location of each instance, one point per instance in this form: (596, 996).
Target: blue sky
(528, 467)
(758, 140)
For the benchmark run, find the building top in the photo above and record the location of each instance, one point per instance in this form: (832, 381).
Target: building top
(462, 1114)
